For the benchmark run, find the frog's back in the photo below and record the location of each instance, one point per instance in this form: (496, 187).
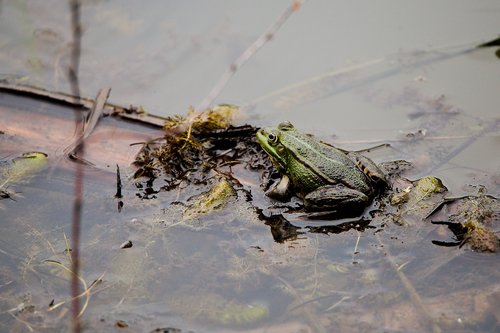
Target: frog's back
(327, 162)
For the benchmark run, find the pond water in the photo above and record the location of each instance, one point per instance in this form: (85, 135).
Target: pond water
(354, 74)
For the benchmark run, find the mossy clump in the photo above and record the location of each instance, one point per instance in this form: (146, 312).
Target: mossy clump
(214, 199)
(418, 191)
(479, 237)
(476, 215)
(218, 118)
(417, 199)
(181, 149)
(197, 147)
(215, 309)
(471, 219)
(20, 170)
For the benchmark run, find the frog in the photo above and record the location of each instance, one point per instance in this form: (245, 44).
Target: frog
(326, 178)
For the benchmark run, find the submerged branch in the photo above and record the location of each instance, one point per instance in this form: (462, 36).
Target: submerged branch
(135, 113)
(491, 128)
(79, 149)
(339, 80)
(247, 54)
(425, 317)
(90, 123)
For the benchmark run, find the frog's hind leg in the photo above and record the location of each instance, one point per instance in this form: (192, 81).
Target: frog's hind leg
(336, 199)
(369, 168)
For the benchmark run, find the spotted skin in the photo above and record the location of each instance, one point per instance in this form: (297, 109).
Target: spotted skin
(324, 176)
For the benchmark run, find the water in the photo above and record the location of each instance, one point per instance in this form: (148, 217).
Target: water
(354, 74)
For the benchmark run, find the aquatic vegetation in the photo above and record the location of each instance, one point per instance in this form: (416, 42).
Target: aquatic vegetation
(471, 219)
(479, 237)
(218, 118)
(20, 170)
(215, 309)
(420, 190)
(214, 199)
(338, 282)
(196, 147)
(417, 199)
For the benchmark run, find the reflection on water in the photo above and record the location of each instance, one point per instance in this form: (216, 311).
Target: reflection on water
(231, 270)
(232, 267)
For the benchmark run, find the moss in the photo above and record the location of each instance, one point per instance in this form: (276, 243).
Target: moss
(470, 219)
(479, 237)
(20, 170)
(425, 187)
(214, 199)
(195, 148)
(418, 191)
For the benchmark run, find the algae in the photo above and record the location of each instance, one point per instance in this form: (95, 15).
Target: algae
(20, 170)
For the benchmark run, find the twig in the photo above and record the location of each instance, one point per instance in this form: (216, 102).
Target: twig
(74, 276)
(356, 246)
(118, 194)
(80, 149)
(426, 319)
(132, 112)
(394, 63)
(491, 128)
(315, 263)
(90, 123)
(86, 292)
(21, 321)
(247, 54)
(311, 317)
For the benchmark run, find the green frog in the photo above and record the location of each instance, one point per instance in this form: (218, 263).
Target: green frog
(325, 177)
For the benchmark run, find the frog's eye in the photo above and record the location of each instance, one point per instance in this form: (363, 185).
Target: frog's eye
(272, 138)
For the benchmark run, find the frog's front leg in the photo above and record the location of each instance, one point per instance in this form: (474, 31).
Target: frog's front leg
(336, 198)
(282, 190)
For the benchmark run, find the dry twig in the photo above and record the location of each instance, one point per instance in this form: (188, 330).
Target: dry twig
(247, 54)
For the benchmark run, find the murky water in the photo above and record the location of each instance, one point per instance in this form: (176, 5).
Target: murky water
(355, 75)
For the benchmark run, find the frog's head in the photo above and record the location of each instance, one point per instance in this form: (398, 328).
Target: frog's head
(271, 140)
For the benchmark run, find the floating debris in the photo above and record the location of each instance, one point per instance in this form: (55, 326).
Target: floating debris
(20, 170)
(214, 199)
(166, 330)
(218, 118)
(195, 145)
(471, 219)
(419, 190)
(418, 198)
(126, 245)
(214, 308)
(118, 183)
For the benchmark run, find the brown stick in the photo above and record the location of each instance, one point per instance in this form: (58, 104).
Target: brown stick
(247, 54)
(79, 172)
(131, 113)
(90, 123)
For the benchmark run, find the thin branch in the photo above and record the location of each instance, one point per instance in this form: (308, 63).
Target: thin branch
(429, 323)
(78, 190)
(90, 123)
(393, 63)
(131, 112)
(492, 127)
(247, 54)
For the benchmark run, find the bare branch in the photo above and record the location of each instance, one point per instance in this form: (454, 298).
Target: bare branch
(247, 54)
(78, 190)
